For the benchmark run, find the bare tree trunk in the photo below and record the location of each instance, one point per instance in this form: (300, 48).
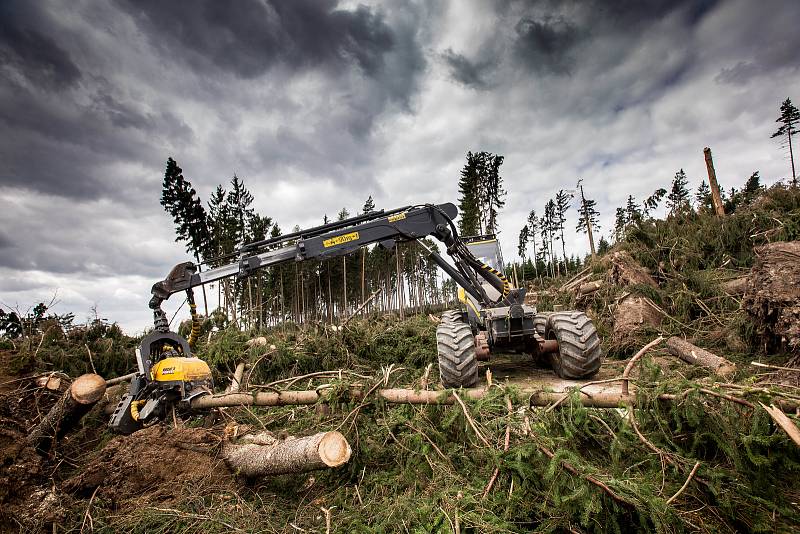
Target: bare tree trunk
(716, 199)
(264, 455)
(588, 226)
(344, 288)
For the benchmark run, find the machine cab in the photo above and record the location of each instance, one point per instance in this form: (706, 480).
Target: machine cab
(487, 249)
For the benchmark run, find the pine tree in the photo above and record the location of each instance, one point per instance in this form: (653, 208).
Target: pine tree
(482, 193)
(703, 198)
(549, 226)
(493, 191)
(563, 200)
(238, 203)
(788, 119)
(633, 214)
(588, 220)
(343, 214)
(678, 197)
(523, 242)
(369, 206)
(533, 227)
(181, 201)
(653, 200)
(468, 202)
(620, 223)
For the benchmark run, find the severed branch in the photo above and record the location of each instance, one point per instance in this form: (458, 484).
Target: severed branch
(685, 484)
(628, 368)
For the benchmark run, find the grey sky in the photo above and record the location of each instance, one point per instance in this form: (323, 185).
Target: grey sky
(318, 104)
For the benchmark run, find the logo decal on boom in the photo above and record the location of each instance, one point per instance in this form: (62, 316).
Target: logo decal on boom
(395, 218)
(340, 239)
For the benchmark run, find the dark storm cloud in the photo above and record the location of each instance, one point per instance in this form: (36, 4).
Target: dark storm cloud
(466, 71)
(254, 36)
(27, 50)
(546, 45)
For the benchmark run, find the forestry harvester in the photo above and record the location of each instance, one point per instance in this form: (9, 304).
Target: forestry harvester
(494, 315)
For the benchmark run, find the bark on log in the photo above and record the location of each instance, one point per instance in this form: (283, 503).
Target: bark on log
(590, 287)
(735, 287)
(697, 356)
(119, 379)
(264, 455)
(595, 396)
(76, 402)
(236, 381)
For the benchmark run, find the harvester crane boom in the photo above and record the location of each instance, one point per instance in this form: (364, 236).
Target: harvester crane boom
(343, 237)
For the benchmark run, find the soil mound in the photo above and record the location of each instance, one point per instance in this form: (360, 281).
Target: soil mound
(153, 465)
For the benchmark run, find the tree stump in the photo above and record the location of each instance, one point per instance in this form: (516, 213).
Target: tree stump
(772, 298)
(76, 402)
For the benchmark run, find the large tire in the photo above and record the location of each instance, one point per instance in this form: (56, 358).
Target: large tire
(540, 322)
(458, 365)
(579, 354)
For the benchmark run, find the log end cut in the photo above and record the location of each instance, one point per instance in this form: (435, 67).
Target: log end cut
(88, 389)
(334, 450)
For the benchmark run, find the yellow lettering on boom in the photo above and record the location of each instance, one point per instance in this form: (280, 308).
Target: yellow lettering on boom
(340, 239)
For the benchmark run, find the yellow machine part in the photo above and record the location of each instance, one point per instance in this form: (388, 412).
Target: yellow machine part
(180, 369)
(462, 296)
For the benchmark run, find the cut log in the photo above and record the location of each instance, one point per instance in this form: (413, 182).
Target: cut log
(119, 379)
(735, 287)
(697, 356)
(257, 342)
(264, 455)
(634, 312)
(540, 394)
(590, 287)
(76, 402)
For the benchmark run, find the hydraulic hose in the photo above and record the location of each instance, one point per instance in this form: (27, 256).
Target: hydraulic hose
(195, 333)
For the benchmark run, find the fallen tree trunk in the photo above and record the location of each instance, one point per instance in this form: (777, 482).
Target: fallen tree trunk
(76, 402)
(264, 455)
(590, 287)
(593, 397)
(236, 381)
(697, 356)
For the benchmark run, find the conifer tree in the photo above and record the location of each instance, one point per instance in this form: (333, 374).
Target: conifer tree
(653, 200)
(468, 202)
(563, 199)
(238, 202)
(482, 193)
(369, 206)
(493, 192)
(588, 220)
(181, 201)
(788, 119)
(620, 223)
(703, 198)
(523, 242)
(633, 214)
(533, 227)
(549, 226)
(678, 197)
